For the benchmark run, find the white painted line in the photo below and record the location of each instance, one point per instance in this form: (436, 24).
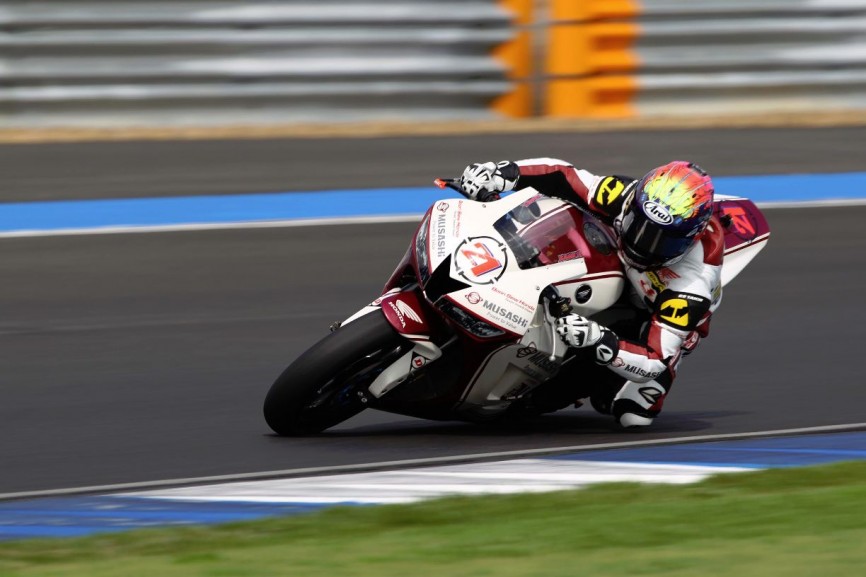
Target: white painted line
(812, 203)
(410, 485)
(386, 465)
(132, 229)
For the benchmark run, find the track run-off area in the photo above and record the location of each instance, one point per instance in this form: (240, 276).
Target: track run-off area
(135, 359)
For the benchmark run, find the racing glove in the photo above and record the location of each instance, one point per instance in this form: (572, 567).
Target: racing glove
(579, 332)
(484, 181)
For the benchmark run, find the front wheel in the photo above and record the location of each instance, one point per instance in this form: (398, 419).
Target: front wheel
(325, 385)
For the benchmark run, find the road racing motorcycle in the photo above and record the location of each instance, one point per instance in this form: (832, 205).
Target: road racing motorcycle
(464, 328)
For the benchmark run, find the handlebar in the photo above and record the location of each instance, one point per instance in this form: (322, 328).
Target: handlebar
(453, 184)
(450, 183)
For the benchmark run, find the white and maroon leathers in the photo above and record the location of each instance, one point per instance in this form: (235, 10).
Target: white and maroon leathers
(680, 298)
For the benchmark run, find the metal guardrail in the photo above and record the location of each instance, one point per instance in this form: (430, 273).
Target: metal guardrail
(760, 55)
(229, 62)
(197, 61)
(667, 57)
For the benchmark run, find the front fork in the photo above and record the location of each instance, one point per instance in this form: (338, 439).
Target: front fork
(553, 307)
(401, 370)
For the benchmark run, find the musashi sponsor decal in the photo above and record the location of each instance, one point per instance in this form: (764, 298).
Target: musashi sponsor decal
(506, 316)
(441, 244)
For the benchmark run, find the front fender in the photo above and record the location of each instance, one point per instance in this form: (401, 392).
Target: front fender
(404, 311)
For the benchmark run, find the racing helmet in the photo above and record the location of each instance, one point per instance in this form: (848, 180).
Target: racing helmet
(669, 207)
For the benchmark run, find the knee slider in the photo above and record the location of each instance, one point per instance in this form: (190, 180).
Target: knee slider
(623, 406)
(628, 420)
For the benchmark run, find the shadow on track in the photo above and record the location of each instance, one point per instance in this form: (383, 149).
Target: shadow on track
(568, 423)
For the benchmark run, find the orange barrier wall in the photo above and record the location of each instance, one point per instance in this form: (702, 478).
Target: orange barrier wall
(517, 56)
(613, 59)
(589, 59)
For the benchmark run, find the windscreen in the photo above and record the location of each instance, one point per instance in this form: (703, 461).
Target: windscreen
(539, 238)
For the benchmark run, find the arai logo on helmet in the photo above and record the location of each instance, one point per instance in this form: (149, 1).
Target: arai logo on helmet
(657, 212)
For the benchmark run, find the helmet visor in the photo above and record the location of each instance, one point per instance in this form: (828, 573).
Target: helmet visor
(647, 244)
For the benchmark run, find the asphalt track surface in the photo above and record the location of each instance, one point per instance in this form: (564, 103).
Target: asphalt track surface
(135, 169)
(140, 357)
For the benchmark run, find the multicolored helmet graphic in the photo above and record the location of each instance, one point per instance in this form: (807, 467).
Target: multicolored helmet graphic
(670, 207)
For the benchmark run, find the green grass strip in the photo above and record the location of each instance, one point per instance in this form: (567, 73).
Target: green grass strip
(792, 522)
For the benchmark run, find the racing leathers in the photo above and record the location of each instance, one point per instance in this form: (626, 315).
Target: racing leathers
(677, 300)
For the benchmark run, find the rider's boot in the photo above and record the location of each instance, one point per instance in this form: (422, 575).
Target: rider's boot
(637, 404)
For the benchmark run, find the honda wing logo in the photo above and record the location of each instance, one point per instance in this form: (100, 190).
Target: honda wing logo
(408, 311)
(404, 311)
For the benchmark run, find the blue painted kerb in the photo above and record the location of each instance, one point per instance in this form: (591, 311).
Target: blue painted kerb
(172, 211)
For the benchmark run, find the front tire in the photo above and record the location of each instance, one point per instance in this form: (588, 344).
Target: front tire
(321, 388)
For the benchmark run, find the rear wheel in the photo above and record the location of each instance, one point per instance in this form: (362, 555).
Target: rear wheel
(325, 385)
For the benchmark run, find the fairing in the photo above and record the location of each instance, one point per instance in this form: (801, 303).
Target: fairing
(502, 255)
(746, 233)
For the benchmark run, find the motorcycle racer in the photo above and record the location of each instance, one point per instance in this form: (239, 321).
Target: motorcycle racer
(671, 247)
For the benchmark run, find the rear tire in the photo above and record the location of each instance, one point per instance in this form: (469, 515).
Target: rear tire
(321, 388)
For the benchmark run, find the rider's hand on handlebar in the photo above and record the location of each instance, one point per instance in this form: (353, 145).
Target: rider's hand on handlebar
(577, 331)
(483, 181)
